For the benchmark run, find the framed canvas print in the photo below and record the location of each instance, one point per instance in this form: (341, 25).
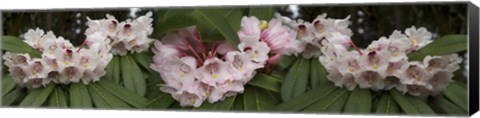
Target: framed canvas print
(361, 59)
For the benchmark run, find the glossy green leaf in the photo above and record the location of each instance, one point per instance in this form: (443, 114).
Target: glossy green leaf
(286, 61)
(318, 74)
(306, 99)
(262, 13)
(208, 32)
(132, 76)
(359, 101)
(457, 94)
(295, 83)
(174, 19)
(111, 67)
(449, 107)
(224, 105)
(58, 98)
(79, 96)
(238, 103)
(144, 59)
(161, 101)
(38, 96)
(104, 99)
(7, 85)
(332, 103)
(16, 45)
(256, 99)
(11, 97)
(220, 23)
(411, 104)
(444, 45)
(124, 94)
(387, 105)
(265, 81)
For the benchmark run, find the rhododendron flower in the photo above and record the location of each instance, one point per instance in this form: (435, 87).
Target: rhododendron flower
(61, 62)
(384, 64)
(129, 35)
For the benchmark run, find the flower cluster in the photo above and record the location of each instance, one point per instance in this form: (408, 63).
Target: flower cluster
(312, 36)
(384, 64)
(60, 61)
(129, 35)
(192, 74)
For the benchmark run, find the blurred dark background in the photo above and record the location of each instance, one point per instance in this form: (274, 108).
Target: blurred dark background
(369, 22)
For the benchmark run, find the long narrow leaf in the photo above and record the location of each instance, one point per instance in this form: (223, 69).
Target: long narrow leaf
(387, 105)
(79, 96)
(318, 74)
(410, 104)
(58, 98)
(265, 81)
(7, 85)
(359, 101)
(161, 101)
(295, 83)
(449, 107)
(262, 13)
(16, 45)
(11, 97)
(124, 94)
(224, 105)
(37, 97)
(457, 95)
(332, 103)
(104, 99)
(306, 99)
(444, 45)
(220, 23)
(132, 76)
(255, 99)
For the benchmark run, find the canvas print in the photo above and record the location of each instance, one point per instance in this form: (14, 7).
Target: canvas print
(384, 59)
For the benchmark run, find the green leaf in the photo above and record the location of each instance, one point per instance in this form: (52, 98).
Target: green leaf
(161, 101)
(111, 67)
(144, 59)
(295, 83)
(132, 76)
(117, 76)
(238, 103)
(124, 94)
(449, 107)
(306, 99)
(7, 85)
(387, 105)
(224, 105)
(411, 104)
(286, 61)
(104, 99)
(58, 98)
(255, 99)
(318, 74)
(220, 23)
(359, 101)
(11, 97)
(444, 45)
(332, 103)
(16, 45)
(79, 96)
(208, 32)
(174, 19)
(38, 96)
(265, 81)
(262, 13)
(457, 94)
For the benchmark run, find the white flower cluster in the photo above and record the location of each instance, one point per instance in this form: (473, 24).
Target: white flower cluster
(129, 35)
(190, 80)
(384, 64)
(311, 36)
(60, 63)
